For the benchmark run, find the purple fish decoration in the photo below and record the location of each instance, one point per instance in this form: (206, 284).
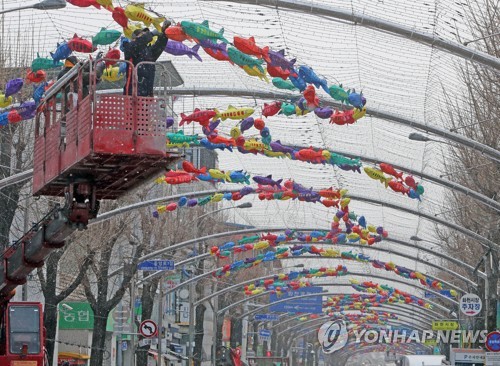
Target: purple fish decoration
(246, 124)
(180, 49)
(278, 59)
(277, 147)
(169, 121)
(206, 43)
(347, 167)
(323, 113)
(13, 86)
(156, 214)
(27, 110)
(246, 190)
(268, 181)
(380, 230)
(288, 232)
(192, 202)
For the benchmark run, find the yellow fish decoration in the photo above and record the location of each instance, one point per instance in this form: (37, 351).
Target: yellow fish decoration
(5, 102)
(217, 197)
(234, 113)
(263, 244)
(107, 4)
(112, 74)
(359, 113)
(130, 29)
(377, 175)
(253, 144)
(254, 71)
(217, 174)
(136, 12)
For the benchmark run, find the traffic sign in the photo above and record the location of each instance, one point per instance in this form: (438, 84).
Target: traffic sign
(267, 317)
(492, 343)
(156, 265)
(310, 304)
(471, 304)
(148, 328)
(265, 334)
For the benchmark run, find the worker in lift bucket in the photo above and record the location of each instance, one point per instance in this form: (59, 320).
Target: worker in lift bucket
(140, 49)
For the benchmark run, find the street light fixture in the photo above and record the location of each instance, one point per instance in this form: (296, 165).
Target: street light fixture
(42, 5)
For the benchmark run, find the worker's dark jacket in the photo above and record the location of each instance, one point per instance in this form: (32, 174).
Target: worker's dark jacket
(138, 51)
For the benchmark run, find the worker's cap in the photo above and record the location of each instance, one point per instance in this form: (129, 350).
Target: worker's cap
(139, 31)
(71, 61)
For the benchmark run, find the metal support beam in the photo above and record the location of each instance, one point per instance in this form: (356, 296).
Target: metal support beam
(368, 21)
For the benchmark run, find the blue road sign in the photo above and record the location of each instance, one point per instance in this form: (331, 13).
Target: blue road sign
(311, 304)
(430, 295)
(156, 265)
(267, 317)
(265, 333)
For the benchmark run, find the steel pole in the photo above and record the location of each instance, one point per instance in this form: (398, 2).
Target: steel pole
(132, 317)
(160, 322)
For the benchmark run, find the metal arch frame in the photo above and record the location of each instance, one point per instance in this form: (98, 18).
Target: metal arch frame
(378, 24)
(260, 94)
(379, 309)
(326, 293)
(482, 240)
(206, 274)
(323, 318)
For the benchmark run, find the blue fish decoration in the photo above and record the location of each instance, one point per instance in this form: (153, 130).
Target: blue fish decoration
(62, 52)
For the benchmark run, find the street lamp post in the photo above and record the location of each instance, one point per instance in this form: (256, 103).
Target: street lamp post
(43, 5)
(192, 285)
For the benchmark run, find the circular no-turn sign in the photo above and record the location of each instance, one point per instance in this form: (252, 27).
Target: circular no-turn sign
(148, 328)
(493, 342)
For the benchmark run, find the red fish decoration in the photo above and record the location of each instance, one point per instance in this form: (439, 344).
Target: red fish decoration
(14, 116)
(119, 16)
(249, 47)
(271, 109)
(221, 140)
(114, 54)
(181, 179)
(310, 96)
(278, 72)
(79, 44)
(310, 155)
(343, 118)
(202, 117)
(398, 187)
(84, 3)
(36, 76)
(190, 168)
(176, 33)
(218, 55)
(389, 169)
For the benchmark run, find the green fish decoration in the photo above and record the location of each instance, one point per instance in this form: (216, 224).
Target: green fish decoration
(338, 93)
(180, 138)
(248, 239)
(40, 63)
(241, 59)
(202, 31)
(287, 109)
(283, 84)
(106, 36)
(338, 159)
(203, 201)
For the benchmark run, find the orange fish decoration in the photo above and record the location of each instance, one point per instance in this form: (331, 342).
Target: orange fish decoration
(221, 140)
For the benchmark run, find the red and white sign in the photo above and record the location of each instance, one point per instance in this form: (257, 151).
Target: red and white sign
(148, 328)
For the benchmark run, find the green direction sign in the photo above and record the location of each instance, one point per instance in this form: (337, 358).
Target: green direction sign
(444, 325)
(80, 316)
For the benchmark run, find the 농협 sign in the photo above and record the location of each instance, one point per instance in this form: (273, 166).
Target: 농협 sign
(471, 304)
(444, 325)
(76, 315)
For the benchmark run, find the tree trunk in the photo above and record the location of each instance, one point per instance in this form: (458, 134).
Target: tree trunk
(50, 322)
(236, 332)
(198, 338)
(98, 339)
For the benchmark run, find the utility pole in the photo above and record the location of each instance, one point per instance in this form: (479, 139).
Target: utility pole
(132, 317)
